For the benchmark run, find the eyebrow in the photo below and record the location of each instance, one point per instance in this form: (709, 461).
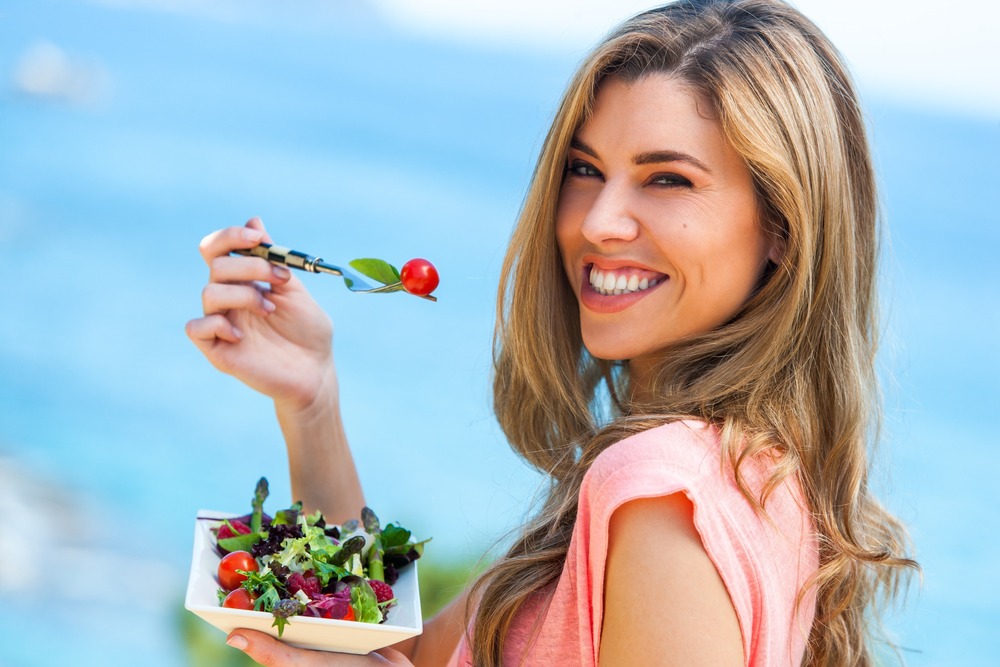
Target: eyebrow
(649, 157)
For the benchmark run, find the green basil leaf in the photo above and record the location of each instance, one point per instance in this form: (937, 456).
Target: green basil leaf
(376, 269)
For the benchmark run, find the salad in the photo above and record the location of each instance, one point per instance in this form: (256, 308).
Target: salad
(298, 564)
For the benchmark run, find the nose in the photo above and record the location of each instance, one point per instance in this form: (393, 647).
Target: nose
(610, 217)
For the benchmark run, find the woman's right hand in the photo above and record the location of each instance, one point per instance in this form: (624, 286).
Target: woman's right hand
(260, 325)
(266, 650)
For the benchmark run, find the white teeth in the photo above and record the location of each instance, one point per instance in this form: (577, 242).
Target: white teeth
(610, 283)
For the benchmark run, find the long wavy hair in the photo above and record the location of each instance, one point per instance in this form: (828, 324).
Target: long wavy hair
(792, 372)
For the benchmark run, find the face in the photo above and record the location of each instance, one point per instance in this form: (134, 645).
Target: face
(657, 222)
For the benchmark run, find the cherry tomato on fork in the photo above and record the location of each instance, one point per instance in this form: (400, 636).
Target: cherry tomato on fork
(229, 578)
(419, 277)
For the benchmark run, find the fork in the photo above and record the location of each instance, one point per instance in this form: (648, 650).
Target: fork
(283, 256)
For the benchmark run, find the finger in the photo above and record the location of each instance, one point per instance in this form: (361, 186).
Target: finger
(258, 224)
(235, 269)
(270, 652)
(221, 298)
(207, 329)
(224, 241)
(393, 657)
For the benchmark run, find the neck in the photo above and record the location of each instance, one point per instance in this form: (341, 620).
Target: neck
(640, 373)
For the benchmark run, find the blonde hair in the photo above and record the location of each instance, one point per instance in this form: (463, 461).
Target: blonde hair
(792, 372)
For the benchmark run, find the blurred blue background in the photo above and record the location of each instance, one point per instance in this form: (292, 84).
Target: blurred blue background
(129, 129)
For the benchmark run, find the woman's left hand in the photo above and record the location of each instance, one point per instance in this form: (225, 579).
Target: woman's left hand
(267, 650)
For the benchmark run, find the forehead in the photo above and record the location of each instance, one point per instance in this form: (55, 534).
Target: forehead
(656, 111)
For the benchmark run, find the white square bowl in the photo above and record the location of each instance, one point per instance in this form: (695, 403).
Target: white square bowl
(323, 634)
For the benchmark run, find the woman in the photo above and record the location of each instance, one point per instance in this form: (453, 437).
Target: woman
(684, 345)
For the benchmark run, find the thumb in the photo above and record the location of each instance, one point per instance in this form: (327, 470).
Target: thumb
(266, 650)
(270, 652)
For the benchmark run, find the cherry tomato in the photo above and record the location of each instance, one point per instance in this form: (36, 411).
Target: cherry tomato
(238, 599)
(419, 277)
(349, 616)
(229, 578)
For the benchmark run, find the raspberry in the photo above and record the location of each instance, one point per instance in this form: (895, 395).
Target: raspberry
(240, 527)
(307, 584)
(383, 591)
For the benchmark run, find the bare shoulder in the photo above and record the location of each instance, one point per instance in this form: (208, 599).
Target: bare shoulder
(664, 601)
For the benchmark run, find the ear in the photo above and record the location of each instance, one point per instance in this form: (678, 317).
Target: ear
(776, 251)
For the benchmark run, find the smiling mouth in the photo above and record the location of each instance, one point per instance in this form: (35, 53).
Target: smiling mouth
(627, 280)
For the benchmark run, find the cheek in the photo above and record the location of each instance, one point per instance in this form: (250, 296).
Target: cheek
(746, 265)
(567, 232)
(568, 263)
(723, 258)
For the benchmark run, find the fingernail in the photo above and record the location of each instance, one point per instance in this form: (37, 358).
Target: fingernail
(237, 332)
(268, 306)
(237, 642)
(281, 272)
(251, 234)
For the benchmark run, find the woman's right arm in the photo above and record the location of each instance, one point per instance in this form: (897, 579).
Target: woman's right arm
(261, 326)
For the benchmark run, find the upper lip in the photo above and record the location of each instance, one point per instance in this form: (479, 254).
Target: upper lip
(614, 263)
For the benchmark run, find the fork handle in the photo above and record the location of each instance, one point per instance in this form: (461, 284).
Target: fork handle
(284, 256)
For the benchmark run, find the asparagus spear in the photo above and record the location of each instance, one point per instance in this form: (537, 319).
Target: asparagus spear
(376, 569)
(259, 494)
(348, 549)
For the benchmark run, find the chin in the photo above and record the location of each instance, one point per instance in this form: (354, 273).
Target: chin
(611, 350)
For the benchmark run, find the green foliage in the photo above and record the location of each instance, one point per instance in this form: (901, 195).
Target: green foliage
(441, 582)
(206, 646)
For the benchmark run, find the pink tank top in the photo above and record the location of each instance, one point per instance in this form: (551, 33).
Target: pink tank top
(764, 560)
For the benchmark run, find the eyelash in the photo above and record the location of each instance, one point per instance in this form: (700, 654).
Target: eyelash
(676, 181)
(582, 169)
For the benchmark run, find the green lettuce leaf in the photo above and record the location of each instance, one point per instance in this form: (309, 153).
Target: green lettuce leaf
(376, 269)
(287, 516)
(294, 553)
(263, 585)
(241, 542)
(326, 571)
(394, 536)
(365, 604)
